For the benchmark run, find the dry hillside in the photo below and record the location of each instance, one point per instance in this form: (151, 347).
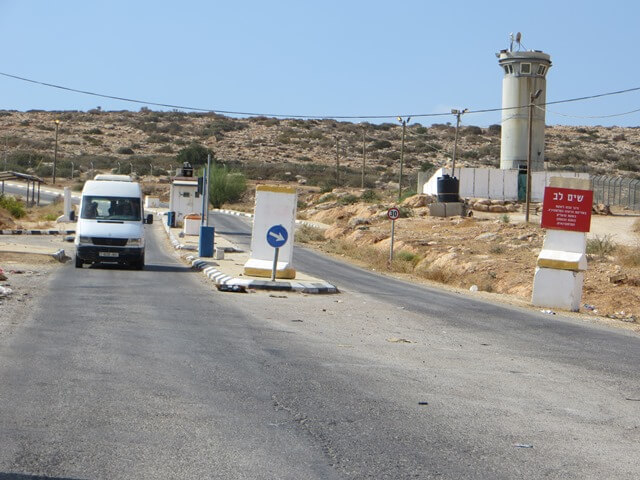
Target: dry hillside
(269, 148)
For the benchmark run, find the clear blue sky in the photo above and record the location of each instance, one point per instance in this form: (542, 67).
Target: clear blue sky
(322, 58)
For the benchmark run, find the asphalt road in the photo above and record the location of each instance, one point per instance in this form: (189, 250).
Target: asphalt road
(20, 189)
(127, 374)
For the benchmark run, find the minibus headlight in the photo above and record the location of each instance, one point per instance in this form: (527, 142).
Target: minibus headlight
(134, 242)
(84, 239)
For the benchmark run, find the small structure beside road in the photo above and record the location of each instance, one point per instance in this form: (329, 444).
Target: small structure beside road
(183, 194)
(31, 180)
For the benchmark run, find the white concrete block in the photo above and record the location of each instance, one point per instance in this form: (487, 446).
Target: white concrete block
(192, 225)
(275, 206)
(151, 202)
(561, 289)
(565, 240)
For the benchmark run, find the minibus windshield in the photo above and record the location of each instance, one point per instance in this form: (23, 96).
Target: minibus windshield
(111, 208)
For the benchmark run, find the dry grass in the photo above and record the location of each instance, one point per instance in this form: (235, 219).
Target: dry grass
(628, 256)
(309, 234)
(45, 213)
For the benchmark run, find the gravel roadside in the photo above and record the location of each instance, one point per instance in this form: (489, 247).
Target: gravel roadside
(27, 277)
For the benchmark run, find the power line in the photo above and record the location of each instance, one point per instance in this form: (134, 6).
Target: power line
(588, 116)
(319, 117)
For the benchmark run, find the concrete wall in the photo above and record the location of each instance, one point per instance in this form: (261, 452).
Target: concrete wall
(539, 180)
(480, 183)
(496, 184)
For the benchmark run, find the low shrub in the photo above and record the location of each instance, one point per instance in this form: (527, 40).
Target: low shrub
(14, 206)
(600, 246)
(348, 199)
(369, 196)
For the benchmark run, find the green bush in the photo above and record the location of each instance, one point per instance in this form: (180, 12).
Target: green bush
(348, 199)
(125, 151)
(14, 206)
(380, 144)
(225, 186)
(369, 196)
(195, 154)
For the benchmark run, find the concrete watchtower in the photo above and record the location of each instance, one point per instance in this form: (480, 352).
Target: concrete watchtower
(524, 74)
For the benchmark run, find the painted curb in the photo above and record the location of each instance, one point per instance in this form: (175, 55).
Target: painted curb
(37, 232)
(221, 278)
(172, 238)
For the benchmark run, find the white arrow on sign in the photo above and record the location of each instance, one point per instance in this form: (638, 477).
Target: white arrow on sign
(277, 236)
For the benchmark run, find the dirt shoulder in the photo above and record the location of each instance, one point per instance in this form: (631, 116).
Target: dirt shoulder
(27, 277)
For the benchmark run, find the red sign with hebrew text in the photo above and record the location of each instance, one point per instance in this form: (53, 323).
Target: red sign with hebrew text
(567, 209)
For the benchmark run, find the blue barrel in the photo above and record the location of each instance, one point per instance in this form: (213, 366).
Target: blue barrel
(448, 189)
(205, 248)
(171, 219)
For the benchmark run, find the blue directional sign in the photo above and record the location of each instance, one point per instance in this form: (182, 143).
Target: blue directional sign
(277, 236)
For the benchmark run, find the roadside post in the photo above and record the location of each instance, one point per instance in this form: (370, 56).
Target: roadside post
(276, 237)
(566, 216)
(393, 213)
(207, 235)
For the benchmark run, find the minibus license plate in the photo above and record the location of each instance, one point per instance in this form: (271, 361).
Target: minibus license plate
(108, 254)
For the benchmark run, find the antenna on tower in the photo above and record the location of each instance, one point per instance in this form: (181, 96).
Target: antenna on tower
(518, 38)
(511, 42)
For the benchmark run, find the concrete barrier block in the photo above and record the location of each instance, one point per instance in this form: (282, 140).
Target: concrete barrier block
(447, 209)
(561, 289)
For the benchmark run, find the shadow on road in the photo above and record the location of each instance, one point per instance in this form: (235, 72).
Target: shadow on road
(20, 476)
(147, 268)
(167, 268)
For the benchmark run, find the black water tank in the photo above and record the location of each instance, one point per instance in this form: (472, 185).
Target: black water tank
(448, 188)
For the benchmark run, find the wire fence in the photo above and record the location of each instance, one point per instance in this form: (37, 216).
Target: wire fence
(616, 191)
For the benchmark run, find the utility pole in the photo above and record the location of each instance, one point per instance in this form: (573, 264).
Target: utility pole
(364, 155)
(337, 162)
(55, 153)
(72, 167)
(458, 114)
(533, 96)
(404, 129)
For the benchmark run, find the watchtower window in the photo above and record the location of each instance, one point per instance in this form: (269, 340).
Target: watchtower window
(508, 68)
(541, 69)
(525, 68)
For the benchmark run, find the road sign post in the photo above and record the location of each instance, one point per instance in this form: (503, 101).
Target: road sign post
(393, 214)
(277, 236)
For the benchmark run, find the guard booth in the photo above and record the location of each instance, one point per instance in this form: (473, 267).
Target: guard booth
(184, 198)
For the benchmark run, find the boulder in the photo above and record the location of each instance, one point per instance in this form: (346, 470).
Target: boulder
(355, 221)
(602, 209)
(417, 201)
(497, 208)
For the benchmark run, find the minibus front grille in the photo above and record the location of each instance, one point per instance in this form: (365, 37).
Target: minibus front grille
(112, 242)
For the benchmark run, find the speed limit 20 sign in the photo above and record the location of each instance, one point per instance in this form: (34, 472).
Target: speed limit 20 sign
(393, 213)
